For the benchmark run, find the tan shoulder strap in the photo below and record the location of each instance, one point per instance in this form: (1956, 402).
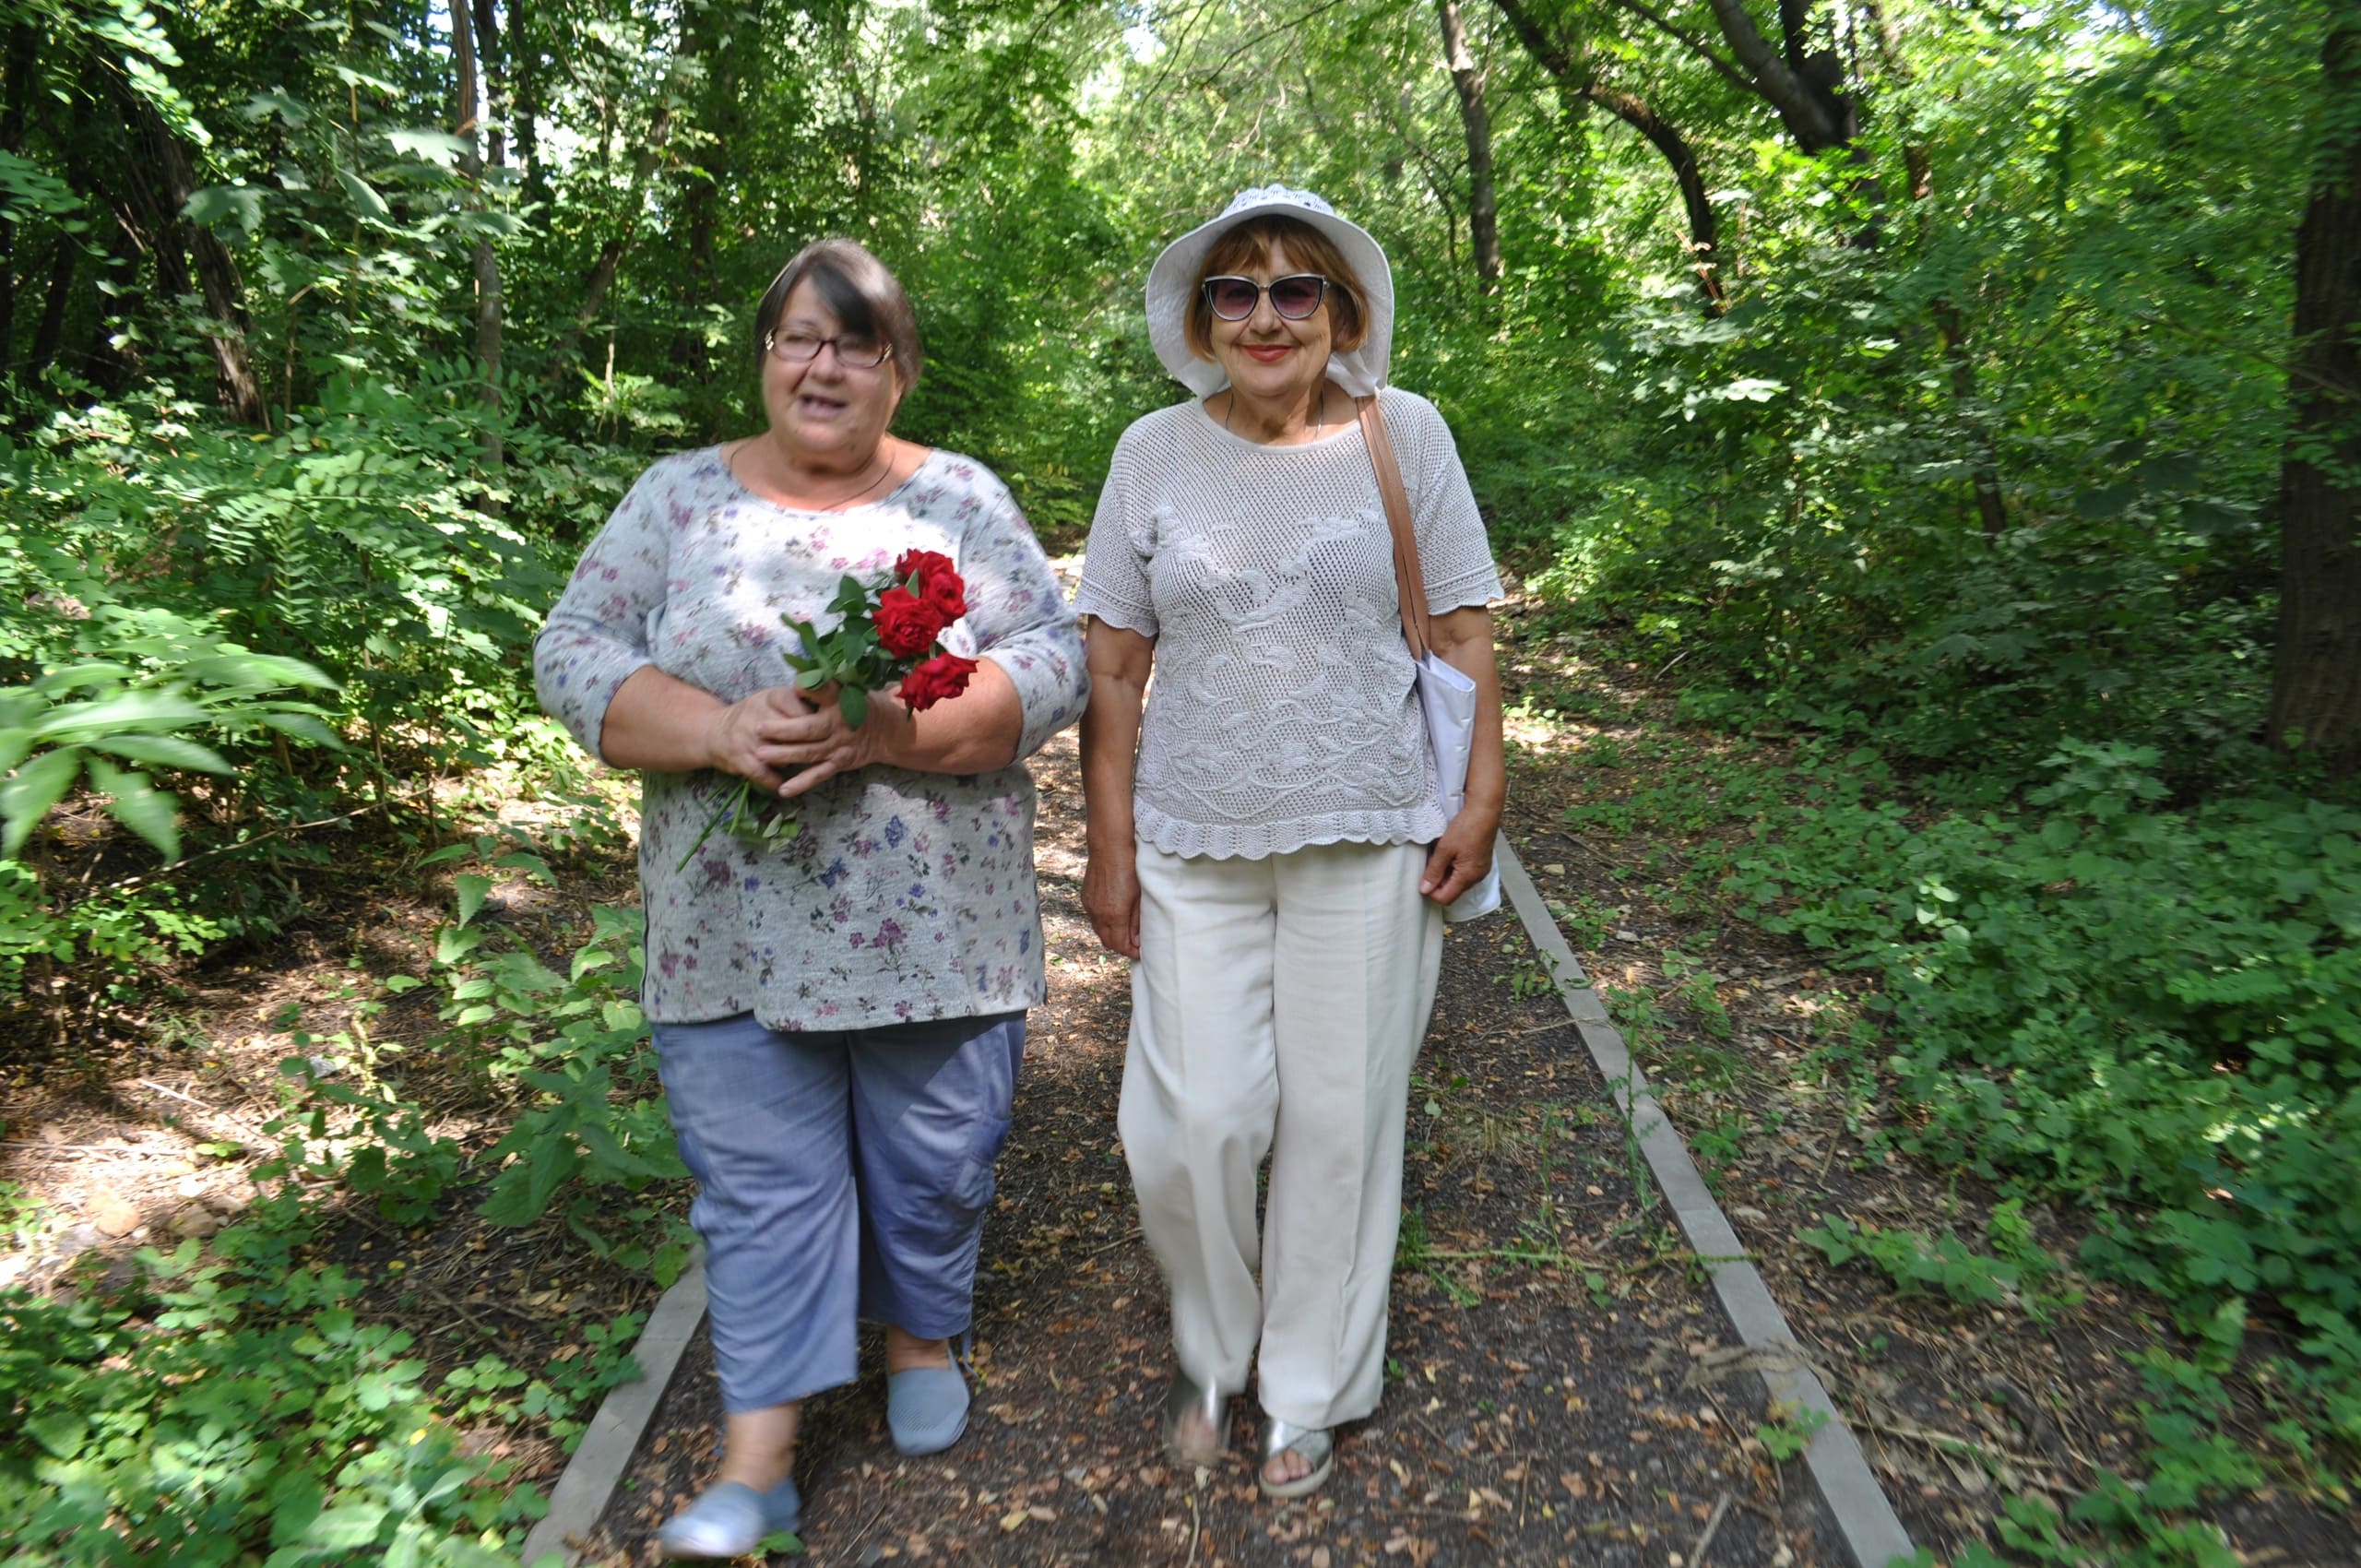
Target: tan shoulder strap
(1409, 581)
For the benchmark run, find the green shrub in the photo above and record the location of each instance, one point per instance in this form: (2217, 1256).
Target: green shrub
(244, 1414)
(2155, 1012)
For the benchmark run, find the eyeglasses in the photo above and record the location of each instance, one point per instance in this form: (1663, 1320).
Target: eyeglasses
(855, 351)
(1295, 296)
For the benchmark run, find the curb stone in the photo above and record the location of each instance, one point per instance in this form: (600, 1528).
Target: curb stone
(1872, 1532)
(612, 1437)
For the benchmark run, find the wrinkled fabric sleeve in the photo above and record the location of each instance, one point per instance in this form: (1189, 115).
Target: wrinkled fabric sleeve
(1017, 618)
(1454, 556)
(1114, 564)
(596, 637)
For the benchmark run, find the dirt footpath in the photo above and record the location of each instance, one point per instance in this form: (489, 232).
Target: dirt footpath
(1560, 1383)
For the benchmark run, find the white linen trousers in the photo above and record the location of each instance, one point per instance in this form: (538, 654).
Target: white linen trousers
(1277, 1007)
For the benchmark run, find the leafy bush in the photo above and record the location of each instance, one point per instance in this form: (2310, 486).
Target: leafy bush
(244, 1413)
(2156, 1013)
(356, 539)
(179, 601)
(594, 1134)
(237, 1407)
(158, 677)
(2016, 1269)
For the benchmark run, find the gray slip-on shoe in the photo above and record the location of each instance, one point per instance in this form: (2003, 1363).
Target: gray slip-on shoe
(730, 1519)
(926, 1408)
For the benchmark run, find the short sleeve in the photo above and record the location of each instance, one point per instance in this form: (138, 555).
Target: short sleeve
(1115, 584)
(1454, 556)
(1017, 618)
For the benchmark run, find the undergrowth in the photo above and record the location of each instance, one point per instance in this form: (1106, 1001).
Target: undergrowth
(2089, 991)
(240, 1402)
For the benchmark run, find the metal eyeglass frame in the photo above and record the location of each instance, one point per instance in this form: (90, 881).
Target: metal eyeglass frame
(1319, 294)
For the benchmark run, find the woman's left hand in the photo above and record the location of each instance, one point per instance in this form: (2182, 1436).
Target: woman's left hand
(821, 745)
(1461, 856)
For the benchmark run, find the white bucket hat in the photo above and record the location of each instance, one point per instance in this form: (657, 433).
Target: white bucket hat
(1172, 282)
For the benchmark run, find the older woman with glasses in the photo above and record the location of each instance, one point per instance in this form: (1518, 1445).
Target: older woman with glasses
(839, 1012)
(1268, 843)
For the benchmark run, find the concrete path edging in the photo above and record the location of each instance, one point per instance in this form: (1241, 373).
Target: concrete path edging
(1872, 1532)
(582, 1493)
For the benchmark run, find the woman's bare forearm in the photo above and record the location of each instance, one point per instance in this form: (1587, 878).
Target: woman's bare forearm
(662, 724)
(1110, 739)
(1120, 664)
(659, 723)
(976, 732)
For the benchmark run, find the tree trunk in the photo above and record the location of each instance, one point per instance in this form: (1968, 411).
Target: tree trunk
(722, 118)
(1951, 333)
(525, 71)
(1816, 114)
(487, 266)
(2316, 676)
(1805, 87)
(1580, 87)
(1705, 229)
(63, 253)
(16, 95)
(1483, 212)
(164, 180)
(491, 64)
(1915, 160)
(601, 275)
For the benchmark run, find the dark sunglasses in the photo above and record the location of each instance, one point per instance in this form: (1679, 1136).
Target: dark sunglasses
(1295, 296)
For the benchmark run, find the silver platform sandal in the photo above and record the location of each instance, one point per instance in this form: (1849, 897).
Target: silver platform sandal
(1315, 1444)
(1187, 1398)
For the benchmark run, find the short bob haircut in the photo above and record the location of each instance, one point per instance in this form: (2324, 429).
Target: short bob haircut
(859, 290)
(1250, 244)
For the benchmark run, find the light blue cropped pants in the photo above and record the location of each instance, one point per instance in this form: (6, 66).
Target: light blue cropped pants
(841, 1176)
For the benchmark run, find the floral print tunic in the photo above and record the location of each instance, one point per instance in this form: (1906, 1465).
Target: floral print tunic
(905, 895)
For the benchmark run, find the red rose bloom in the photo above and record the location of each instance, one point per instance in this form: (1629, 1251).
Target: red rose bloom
(939, 582)
(922, 564)
(906, 624)
(945, 675)
(947, 594)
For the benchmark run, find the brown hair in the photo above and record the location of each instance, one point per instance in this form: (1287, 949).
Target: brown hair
(1250, 244)
(859, 290)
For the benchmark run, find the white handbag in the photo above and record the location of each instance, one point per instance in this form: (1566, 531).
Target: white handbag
(1445, 696)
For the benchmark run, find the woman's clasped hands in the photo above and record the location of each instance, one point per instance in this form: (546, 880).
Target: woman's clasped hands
(789, 742)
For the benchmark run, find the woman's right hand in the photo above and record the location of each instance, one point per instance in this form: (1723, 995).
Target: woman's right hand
(748, 739)
(1110, 896)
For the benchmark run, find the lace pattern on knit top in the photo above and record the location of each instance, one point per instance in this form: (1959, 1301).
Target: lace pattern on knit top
(1282, 713)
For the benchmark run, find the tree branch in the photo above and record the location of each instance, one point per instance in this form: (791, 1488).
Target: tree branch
(1694, 44)
(1546, 51)
(1705, 229)
(1807, 118)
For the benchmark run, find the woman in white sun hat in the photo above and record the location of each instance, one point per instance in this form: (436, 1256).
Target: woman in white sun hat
(1267, 842)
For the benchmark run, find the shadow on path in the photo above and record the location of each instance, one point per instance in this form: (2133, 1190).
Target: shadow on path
(1563, 1387)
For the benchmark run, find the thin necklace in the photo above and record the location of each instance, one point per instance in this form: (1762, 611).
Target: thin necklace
(729, 461)
(1320, 412)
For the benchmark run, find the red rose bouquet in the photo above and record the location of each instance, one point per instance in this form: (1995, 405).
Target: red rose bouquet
(890, 628)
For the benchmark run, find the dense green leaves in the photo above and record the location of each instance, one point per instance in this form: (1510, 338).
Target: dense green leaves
(1968, 477)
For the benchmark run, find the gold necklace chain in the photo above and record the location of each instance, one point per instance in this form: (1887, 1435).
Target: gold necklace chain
(1319, 420)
